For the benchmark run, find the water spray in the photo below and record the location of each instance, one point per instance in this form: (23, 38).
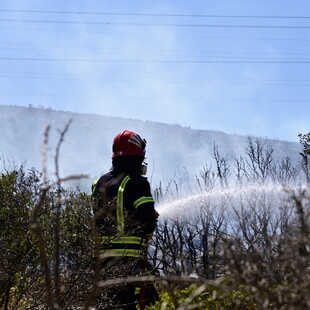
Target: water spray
(188, 205)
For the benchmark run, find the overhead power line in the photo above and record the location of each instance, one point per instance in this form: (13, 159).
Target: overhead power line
(149, 24)
(144, 51)
(196, 81)
(152, 98)
(158, 61)
(156, 14)
(149, 78)
(192, 36)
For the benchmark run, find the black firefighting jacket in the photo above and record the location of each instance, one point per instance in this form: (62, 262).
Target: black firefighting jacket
(124, 213)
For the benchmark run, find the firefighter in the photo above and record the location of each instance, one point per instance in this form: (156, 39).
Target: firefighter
(125, 219)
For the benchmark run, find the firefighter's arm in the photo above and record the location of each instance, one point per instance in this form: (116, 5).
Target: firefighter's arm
(149, 236)
(146, 214)
(143, 205)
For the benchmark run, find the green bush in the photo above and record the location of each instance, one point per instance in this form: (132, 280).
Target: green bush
(23, 274)
(210, 297)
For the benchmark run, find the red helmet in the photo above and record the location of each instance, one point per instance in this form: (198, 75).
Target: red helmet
(128, 143)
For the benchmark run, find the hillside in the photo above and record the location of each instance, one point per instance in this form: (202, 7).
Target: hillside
(172, 150)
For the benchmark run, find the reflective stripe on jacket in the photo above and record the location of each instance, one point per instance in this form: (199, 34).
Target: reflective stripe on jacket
(122, 246)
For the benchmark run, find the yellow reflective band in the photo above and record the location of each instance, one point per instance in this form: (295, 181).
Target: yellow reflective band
(142, 200)
(120, 206)
(93, 187)
(120, 253)
(137, 290)
(125, 239)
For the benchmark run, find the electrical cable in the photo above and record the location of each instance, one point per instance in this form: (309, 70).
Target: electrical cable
(204, 79)
(97, 50)
(151, 24)
(195, 36)
(157, 61)
(154, 99)
(155, 14)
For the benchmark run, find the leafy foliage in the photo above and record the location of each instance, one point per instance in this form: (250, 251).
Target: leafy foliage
(209, 297)
(22, 272)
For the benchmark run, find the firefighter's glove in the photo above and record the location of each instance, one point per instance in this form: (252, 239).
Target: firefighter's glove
(156, 216)
(150, 291)
(151, 295)
(152, 270)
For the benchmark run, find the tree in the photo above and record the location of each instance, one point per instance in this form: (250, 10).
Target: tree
(259, 160)
(304, 140)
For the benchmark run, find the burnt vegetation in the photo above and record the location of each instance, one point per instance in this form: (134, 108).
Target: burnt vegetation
(241, 242)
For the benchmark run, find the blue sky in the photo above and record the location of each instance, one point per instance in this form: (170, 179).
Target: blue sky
(241, 67)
